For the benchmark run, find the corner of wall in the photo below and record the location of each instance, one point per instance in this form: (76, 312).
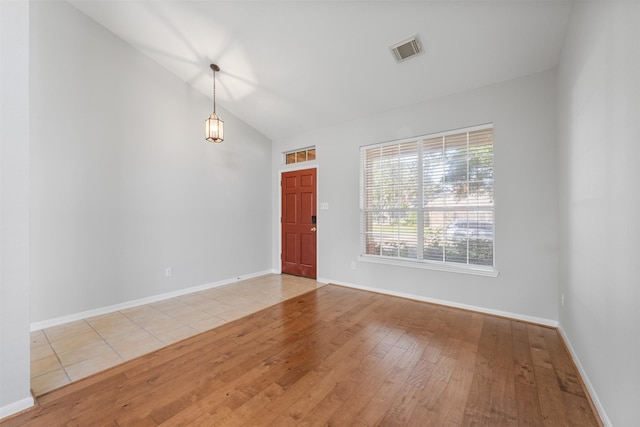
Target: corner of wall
(15, 392)
(592, 395)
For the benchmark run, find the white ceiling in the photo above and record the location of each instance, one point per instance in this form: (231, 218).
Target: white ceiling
(292, 66)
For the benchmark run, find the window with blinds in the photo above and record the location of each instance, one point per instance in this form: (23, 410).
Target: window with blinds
(430, 199)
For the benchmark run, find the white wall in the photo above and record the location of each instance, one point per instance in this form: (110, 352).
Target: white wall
(123, 183)
(599, 139)
(15, 392)
(523, 113)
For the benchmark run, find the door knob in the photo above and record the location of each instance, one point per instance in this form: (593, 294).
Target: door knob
(313, 229)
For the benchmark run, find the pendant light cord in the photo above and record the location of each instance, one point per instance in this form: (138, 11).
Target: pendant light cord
(214, 91)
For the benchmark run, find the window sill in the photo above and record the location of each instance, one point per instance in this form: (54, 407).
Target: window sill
(453, 268)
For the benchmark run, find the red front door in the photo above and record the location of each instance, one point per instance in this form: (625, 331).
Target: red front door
(299, 223)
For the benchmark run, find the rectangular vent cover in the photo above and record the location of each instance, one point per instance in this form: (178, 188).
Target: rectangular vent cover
(406, 49)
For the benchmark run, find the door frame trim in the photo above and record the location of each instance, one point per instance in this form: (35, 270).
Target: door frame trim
(298, 167)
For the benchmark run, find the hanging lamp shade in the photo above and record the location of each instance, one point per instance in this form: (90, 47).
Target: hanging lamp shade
(214, 127)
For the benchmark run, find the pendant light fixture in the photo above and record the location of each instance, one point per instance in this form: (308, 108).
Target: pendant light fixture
(214, 131)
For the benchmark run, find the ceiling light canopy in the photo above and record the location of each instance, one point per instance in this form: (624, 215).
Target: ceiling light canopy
(214, 127)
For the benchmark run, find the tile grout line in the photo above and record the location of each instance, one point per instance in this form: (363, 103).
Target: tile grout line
(104, 339)
(181, 323)
(142, 327)
(44, 332)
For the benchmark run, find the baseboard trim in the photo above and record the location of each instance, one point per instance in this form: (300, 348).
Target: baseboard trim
(516, 316)
(36, 326)
(593, 396)
(15, 407)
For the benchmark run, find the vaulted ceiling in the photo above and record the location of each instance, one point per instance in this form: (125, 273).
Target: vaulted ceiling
(288, 67)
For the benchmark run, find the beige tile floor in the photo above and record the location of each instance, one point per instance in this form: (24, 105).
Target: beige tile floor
(66, 353)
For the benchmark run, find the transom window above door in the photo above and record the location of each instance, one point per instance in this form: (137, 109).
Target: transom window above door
(300, 155)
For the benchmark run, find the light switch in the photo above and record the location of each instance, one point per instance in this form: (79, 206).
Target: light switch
(324, 206)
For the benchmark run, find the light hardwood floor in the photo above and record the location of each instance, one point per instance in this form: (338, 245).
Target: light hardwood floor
(341, 357)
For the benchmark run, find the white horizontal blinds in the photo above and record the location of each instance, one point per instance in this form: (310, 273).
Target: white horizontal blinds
(390, 190)
(431, 200)
(480, 197)
(458, 197)
(481, 168)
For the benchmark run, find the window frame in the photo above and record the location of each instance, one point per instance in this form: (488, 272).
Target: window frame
(296, 153)
(420, 262)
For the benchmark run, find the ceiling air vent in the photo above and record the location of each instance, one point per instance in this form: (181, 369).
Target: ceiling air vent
(406, 49)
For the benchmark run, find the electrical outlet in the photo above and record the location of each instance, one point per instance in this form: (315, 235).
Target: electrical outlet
(168, 272)
(562, 300)
(353, 265)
